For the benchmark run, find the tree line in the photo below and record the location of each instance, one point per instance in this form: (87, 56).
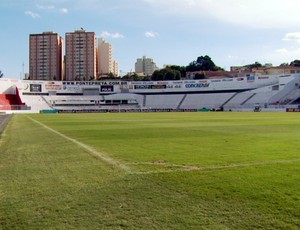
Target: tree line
(202, 63)
(175, 72)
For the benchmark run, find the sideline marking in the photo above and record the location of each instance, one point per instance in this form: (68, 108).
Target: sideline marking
(90, 149)
(189, 168)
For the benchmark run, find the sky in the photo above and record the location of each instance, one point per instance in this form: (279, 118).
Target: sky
(176, 32)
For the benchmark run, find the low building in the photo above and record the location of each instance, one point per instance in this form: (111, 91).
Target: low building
(277, 70)
(212, 74)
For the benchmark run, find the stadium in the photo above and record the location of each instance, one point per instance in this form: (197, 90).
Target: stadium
(243, 93)
(145, 155)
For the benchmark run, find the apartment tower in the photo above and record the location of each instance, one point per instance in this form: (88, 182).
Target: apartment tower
(116, 68)
(145, 65)
(45, 56)
(81, 56)
(106, 64)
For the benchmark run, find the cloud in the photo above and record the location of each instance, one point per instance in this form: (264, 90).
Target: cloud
(295, 37)
(283, 50)
(111, 35)
(64, 10)
(255, 13)
(151, 34)
(32, 14)
(42, 7)
(280, 56)
(232, 56)
(53, 8)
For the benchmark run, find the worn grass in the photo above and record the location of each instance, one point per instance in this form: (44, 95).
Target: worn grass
(187, 171)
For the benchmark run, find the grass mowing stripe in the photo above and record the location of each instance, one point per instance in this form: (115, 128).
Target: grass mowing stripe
(90, 149)
(187, 168)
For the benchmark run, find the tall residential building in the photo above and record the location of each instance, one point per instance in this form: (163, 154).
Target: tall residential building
(145, 65)
(81, 56)
(45, 56)
(106, 64)
(116, 71)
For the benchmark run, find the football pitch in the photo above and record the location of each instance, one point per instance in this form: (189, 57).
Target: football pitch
(151, 171)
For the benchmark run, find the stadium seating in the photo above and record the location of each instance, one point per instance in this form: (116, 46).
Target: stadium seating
(35, 102)
(239, 99)
(276, 92)
(94, 102)
(211, 101)
(10, 102)
(170, 101)
(261, 98)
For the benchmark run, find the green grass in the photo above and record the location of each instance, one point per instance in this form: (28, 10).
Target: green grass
(187, 171)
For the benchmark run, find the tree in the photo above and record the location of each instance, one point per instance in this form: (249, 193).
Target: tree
(170, 75)
(181, 69)
(166, 74)
(111, 76)
(147, 78)
(157, 75)
(137, 77)
(199, 76)
(127, 77)
(203, 63)
(284, 64)
(1, 74)
(254, 65)
(268, 65)
(295, 63)
(192, 67)
(132, 77)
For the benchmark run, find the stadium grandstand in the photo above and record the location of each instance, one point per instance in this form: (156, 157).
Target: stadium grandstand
(243, 93)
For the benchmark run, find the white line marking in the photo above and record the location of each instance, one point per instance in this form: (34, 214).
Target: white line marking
(180, 168)
(90, 149)
(187, 168)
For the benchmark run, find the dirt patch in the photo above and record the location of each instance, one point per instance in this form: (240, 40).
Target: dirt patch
(159, 162)
(4, 119)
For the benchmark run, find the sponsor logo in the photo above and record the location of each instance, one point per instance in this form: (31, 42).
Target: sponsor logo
(53, 86)
(150, 87)
(107, 88)
(196, 85)
(293, 110)
(251, 78)
(37, 88)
